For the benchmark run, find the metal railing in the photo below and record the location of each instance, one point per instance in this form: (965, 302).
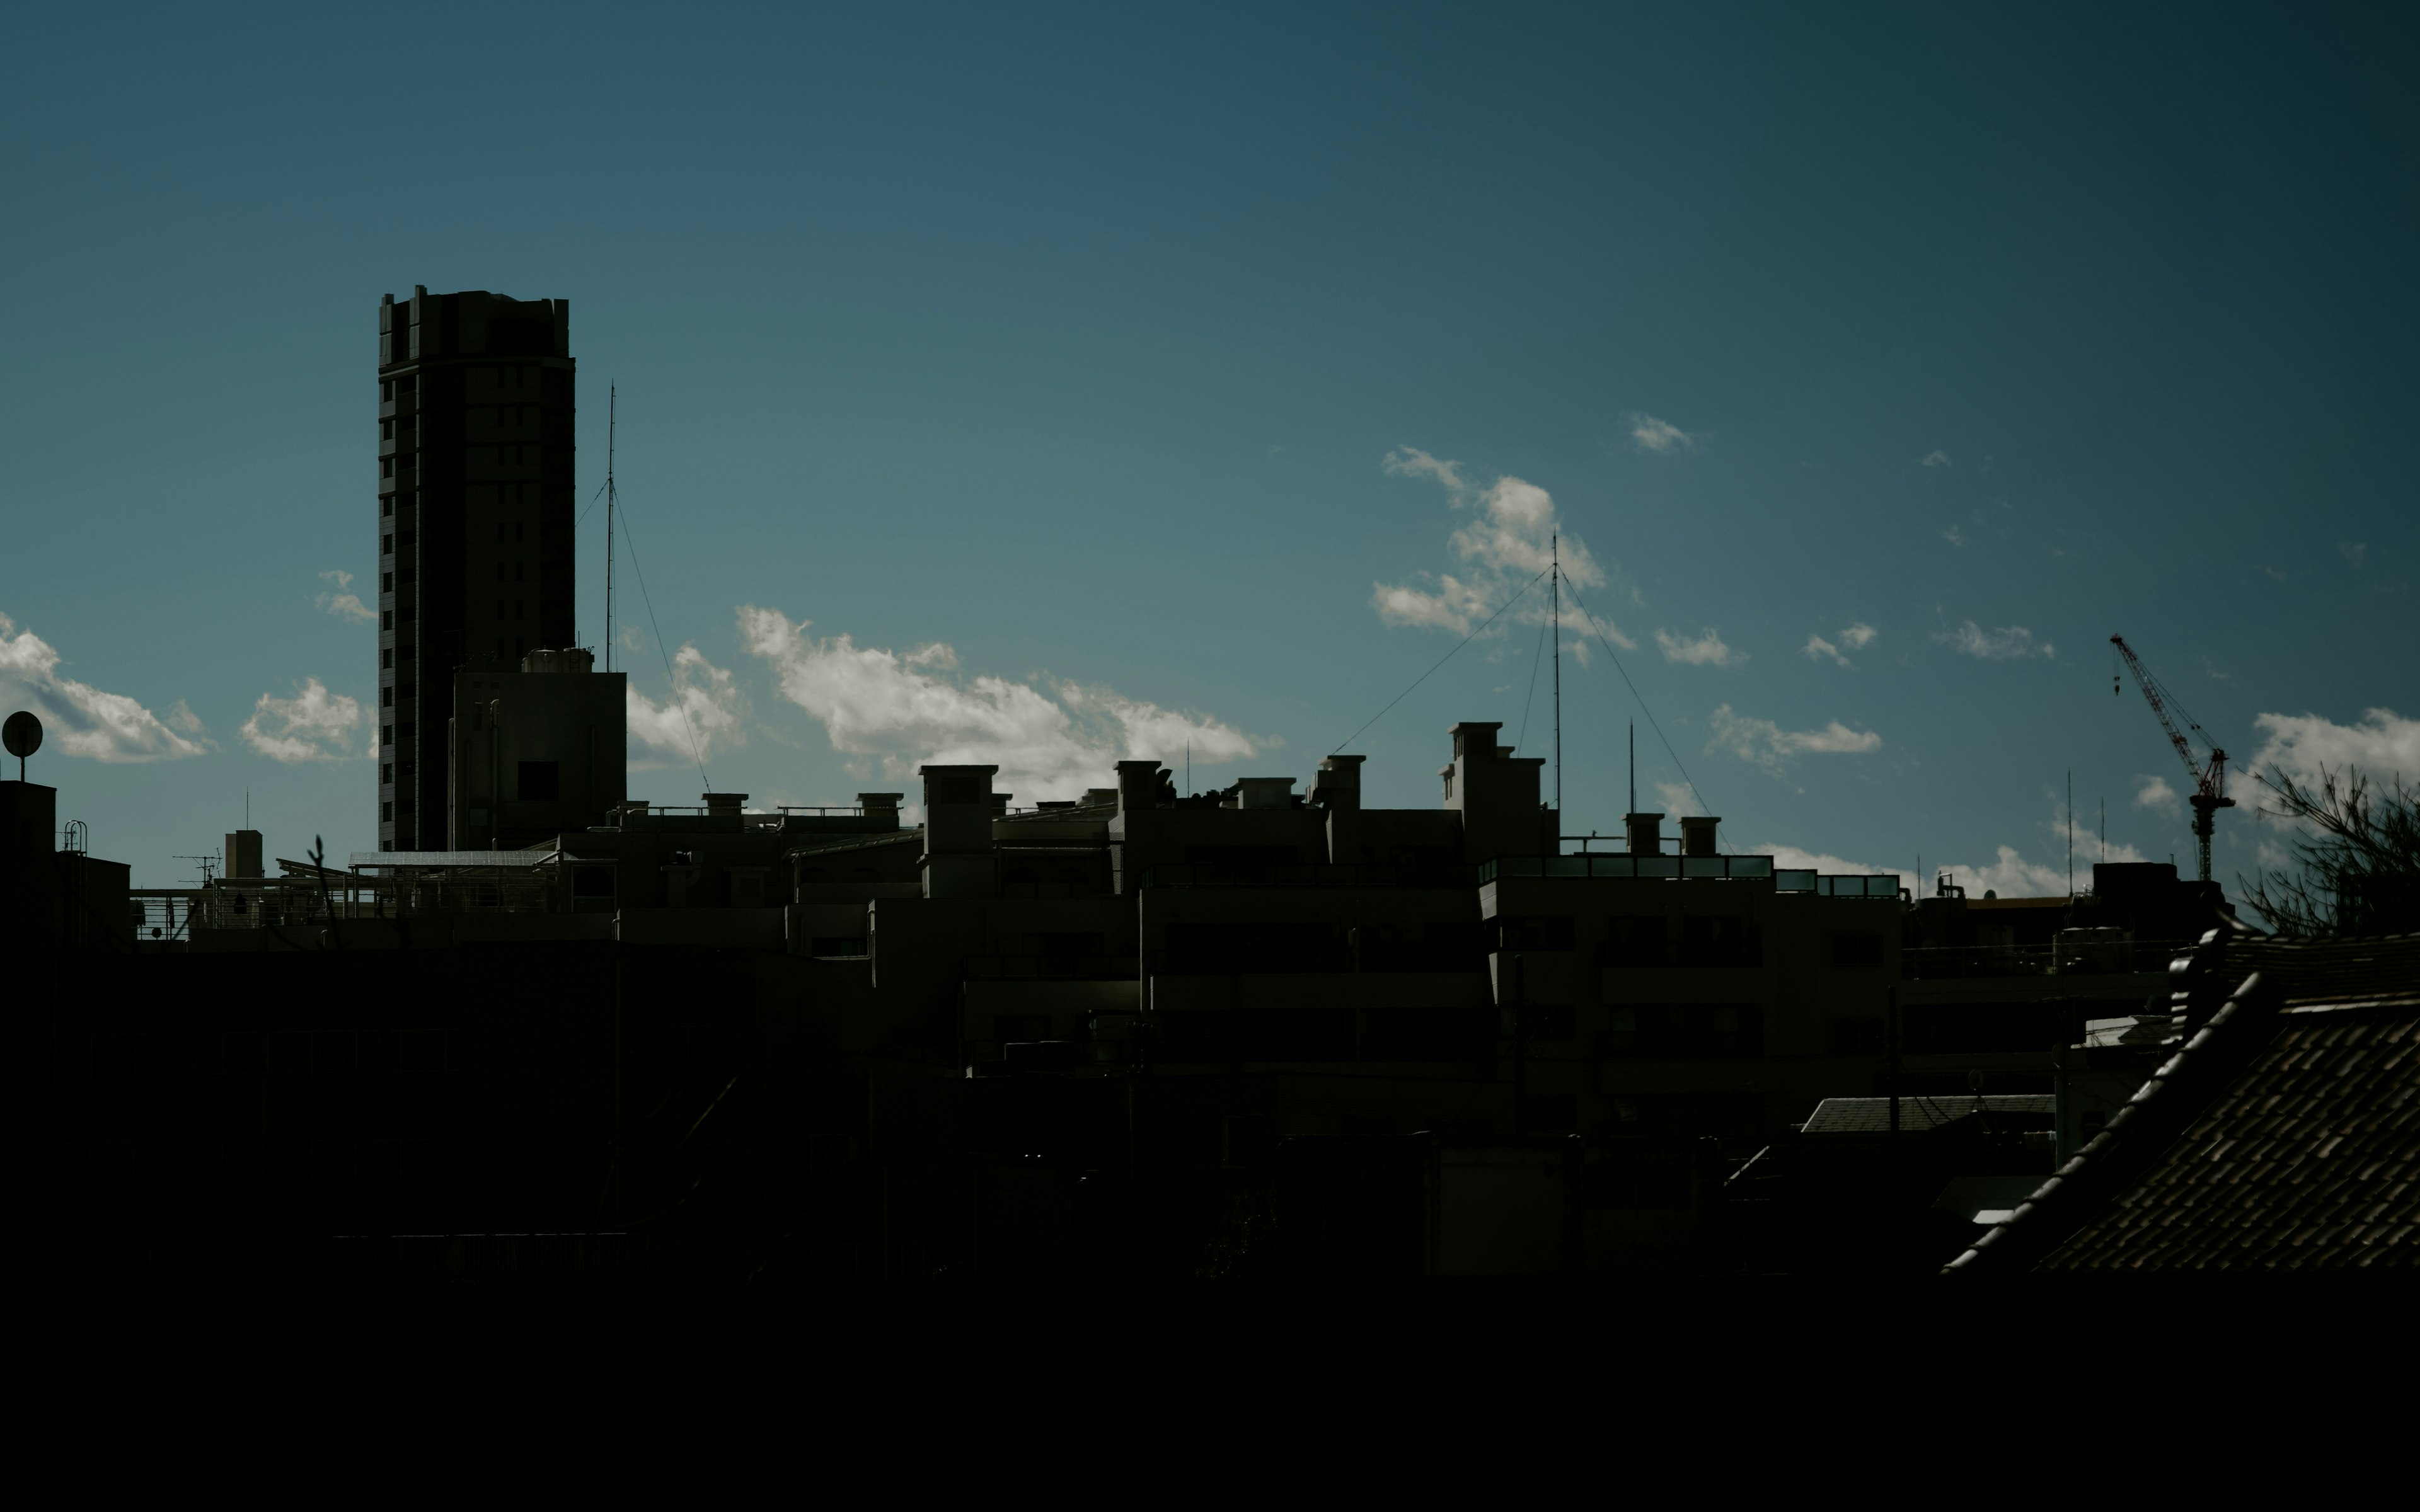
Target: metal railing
(1742, 868)
(1248, 875)
(2093, 959)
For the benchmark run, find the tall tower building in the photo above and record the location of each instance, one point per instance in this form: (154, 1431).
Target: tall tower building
(474, 516)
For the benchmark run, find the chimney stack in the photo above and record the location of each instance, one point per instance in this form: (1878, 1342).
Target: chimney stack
(1698, 835)
(1646, 832)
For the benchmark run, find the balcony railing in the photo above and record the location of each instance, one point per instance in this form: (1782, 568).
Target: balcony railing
(1744, 868)
(2094, 959)
(1247, 874)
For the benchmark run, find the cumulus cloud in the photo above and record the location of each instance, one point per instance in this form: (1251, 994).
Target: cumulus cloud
(1767, 745)
(2353, 551)
(1934, 459)
(314, 725)
(2382, 746)
(2156, 796)
(2010, 642)
(1678, 800)
(706, 709)
(1660, 437)
(79, 718)
(343, 604)
(1707, 650)
(904, 710)
(1507, 542)
(1954, 536)
(1857, 637)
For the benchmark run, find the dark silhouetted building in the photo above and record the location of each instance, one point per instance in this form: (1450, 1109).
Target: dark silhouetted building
(474, 516)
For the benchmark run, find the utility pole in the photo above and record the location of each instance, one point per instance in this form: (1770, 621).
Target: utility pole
(611, 404)
(1555, 597)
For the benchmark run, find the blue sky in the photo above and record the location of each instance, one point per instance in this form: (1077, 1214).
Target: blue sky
(1051, 384)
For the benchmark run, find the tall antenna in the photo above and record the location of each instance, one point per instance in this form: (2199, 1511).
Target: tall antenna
(1634, 767)
(1555, 597)
(611, 395)
(2070, 832)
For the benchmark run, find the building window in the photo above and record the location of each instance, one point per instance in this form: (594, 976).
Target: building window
(386, 736)
(386, 507)
(386, 813)
(386, 774)
(410, 384)
(386, 390)
(387, 658)
(386, 430)
(386, 619)
(386, 546)
(386, 467)
(386, 582)
(386, 697)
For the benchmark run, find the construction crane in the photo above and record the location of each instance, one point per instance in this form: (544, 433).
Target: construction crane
(2209, 778)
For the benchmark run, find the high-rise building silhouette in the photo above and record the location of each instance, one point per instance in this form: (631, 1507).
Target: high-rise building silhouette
(474, 517)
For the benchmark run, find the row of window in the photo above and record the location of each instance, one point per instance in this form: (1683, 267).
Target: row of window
(386, 657)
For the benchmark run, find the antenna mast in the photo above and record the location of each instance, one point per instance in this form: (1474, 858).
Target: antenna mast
(611, 393)
(1554, 593)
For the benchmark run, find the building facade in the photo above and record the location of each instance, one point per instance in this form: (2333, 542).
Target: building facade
(474, 513)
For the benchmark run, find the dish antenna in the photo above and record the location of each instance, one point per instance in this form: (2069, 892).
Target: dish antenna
(22, 735)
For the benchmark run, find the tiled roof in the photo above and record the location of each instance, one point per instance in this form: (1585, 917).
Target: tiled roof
(1871, 1115)
(2379, 969)
(2309, 1158)
(2284, 1134)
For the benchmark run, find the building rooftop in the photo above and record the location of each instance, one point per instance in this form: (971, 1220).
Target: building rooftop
(1871, 1115)
(2282, 1136)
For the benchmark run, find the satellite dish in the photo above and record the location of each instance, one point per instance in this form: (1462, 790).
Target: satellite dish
(23, 736)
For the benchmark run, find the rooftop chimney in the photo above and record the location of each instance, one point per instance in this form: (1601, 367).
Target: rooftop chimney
(723, 802)
(1646, 832)
(1138, 786)
(244, 853)
(1698, 835)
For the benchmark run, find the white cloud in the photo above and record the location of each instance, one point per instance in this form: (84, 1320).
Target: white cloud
(1790, 858)
(1707, 650)
(1934, 459)
(2011, 876)
(2382, 746)
(1857, 637)
(706, 707)
(80, 719)
(343, 604)
(906, 711)
(314, 725)
(1954, 536)
(1507, 540)
(2156, 796)
(1678, 799)
(1660, 436)
(2010, 642)
(2353, 551)
(1768, 746)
